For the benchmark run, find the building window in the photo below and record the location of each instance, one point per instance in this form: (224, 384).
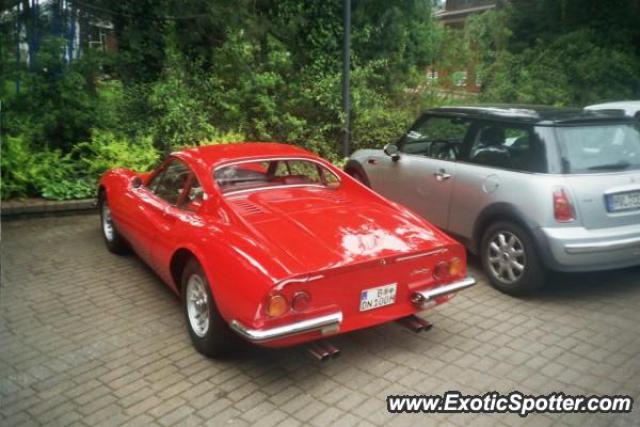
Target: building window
(459, 78)
(478, 80)
(432, 77)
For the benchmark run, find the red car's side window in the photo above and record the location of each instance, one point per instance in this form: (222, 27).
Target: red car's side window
(153, 183)
(169, 184)
(193, 197)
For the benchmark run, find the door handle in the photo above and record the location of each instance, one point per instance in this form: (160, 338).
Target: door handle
(442, 175)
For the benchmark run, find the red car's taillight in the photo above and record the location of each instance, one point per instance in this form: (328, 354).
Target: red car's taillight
(456, 267)
(563, 210)
(300, 301)
(276, 305)
(448, 269)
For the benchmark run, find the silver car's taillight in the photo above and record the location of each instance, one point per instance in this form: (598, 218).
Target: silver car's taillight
(563, 210)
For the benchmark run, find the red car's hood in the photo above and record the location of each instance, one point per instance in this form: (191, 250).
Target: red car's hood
(313, 229)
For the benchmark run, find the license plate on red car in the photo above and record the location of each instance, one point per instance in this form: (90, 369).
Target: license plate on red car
(378, 297)
(623, 201)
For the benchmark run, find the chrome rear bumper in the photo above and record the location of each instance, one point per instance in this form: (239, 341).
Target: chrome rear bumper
(327, 322)
(422, 298)
(331, 322)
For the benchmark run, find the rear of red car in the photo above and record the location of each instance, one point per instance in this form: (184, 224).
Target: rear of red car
(357, 296)
(355, 260)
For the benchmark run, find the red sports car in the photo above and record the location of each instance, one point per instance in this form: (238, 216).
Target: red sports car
(274, 244)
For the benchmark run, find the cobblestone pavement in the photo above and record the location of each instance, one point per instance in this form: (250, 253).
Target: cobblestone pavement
(87, 337)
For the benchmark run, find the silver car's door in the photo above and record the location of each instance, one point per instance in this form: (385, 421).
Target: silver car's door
(421, 178)
(497, 165)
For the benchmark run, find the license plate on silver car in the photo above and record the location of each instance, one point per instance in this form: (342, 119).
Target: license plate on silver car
(378, 297)
(623, 201)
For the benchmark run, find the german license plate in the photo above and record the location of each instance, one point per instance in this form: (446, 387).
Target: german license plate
(623, 201)
(378, 297)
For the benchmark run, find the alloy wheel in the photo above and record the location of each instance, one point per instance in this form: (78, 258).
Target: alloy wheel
(506, 257)
(107, 222)
(197, 300)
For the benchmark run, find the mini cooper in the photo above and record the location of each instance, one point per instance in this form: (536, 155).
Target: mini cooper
(529, 189)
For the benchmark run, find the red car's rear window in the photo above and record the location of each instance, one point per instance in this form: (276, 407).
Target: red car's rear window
(263, 174)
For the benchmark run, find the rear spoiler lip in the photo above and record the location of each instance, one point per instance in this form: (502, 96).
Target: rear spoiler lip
(398, 258)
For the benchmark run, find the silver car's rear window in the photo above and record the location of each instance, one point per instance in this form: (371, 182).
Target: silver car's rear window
(600, 148)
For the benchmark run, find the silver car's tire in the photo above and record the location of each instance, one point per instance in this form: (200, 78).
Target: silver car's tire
(510, 259)
(112, 238)
(209, 332)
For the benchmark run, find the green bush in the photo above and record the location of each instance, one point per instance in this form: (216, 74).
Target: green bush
(573, 70)
(105, 150)
(68, 189)
(26, 172)
(52, 175)
(223, 138)
(57, 105)
(14, 162)
(180, 117)
(569, 63)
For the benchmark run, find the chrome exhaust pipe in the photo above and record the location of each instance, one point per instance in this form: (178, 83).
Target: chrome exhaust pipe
(424, 299)
(322, 351)
(415, 324)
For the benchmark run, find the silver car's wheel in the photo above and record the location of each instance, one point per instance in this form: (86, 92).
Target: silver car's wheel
(507, 257)
(510, 258)
(198, 305)
(107, 222)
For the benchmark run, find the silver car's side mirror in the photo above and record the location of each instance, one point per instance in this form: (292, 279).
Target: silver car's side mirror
(392, 151)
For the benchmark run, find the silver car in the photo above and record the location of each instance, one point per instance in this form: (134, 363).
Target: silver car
(528, 189)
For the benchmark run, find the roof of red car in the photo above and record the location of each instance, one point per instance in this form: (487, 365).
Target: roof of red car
(216, 154)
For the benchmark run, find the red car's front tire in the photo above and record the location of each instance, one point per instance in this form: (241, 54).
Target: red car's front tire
(209, 332)
(112, 238)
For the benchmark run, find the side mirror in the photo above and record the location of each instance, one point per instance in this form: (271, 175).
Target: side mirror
(136, 182)
(392, 151)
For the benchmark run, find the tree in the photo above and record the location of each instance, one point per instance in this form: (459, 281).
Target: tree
(567, 52)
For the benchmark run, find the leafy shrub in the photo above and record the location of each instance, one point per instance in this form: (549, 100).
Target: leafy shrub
(223, 138)
(181, 119)
(106, 150)
(14, 158)
(68, 189)
(56, 106)
(52, 175)
(26, 172)
(566, 66)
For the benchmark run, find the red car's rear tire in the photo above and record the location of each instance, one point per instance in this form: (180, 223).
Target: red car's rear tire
(209, 332)
(112, 238)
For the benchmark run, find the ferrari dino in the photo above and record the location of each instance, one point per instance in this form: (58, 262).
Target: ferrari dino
(273, 244)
